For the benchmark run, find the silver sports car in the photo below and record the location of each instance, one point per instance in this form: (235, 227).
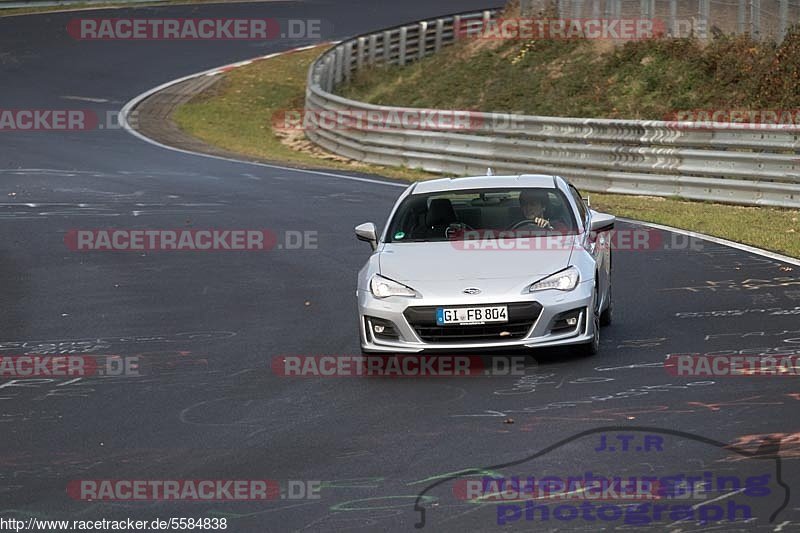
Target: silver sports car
(486, 262)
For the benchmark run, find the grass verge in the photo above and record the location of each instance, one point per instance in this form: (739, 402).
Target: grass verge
(236, 114)
(655, 79)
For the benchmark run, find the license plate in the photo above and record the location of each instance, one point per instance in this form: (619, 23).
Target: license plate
(471, 315)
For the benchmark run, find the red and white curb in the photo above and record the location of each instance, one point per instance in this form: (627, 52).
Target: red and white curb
(128, 108)
(232, 66)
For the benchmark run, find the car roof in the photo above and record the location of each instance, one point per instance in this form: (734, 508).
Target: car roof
(538, 181)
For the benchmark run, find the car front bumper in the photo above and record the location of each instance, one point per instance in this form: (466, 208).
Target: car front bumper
(411, 338)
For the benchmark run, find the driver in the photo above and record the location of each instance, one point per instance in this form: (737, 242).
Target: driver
(535, 205)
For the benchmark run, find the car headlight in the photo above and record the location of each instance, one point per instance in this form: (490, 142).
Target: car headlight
(566, 280)
(384, 287)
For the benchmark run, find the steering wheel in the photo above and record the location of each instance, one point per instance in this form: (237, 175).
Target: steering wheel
(458, 226)
(528, 222)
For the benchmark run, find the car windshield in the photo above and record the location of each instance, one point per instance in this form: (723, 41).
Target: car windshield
(484, 214)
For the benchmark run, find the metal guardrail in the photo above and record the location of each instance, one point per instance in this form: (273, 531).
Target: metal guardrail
(13, 4)
(735, 164)
(761, 19)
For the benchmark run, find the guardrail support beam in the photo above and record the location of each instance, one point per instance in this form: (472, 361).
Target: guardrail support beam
(339, 62)
(373, 48)
(437, 43)
(741, 17)
(387, 47)
(755, 19)
(348, 60)
(783, 15)
(360, 53)
(422, 39)
(401, 52)
(672, 31)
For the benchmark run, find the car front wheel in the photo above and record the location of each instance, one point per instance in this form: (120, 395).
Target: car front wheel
(607, 314)
(592, 347)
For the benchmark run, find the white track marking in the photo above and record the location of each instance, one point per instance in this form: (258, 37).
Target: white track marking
(85, 99)
(717, 240)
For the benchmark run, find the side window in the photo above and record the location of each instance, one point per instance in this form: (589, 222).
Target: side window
(580, 202)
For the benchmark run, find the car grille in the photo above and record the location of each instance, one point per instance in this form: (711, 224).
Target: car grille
(521, 317)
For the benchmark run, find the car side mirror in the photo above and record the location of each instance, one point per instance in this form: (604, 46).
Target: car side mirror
(602, 222)
(368, 233)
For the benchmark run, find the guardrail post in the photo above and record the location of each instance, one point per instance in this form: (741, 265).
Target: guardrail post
(421, 38)
(401, 52)
(673, 18)
(613, 8)
(337, 78)
(387, 47)
(755, 19)
(437, 41)
(741, 17)
(348, 59)
(577, 9)
(456, 27)
(360, 53)
(783, 14)
(373, 48)
(704, 8)
(330, 71)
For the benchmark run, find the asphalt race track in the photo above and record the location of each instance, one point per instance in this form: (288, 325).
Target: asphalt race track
(205, 327)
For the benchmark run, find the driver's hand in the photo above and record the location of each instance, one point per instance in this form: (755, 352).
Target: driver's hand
(541, 222)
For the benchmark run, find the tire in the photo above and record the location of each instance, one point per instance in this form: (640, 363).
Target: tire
(592, 347)
(607, 315)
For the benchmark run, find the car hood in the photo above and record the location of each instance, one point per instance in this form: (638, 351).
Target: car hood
(449, 261)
